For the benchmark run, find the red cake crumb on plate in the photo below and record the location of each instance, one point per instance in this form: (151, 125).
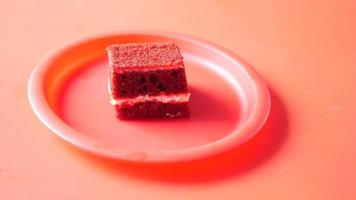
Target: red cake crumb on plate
(148, 80)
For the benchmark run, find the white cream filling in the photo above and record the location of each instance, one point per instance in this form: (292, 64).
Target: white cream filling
(177, 98)
(121, 70)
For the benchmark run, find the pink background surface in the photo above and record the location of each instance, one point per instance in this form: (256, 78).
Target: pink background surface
(305, 50)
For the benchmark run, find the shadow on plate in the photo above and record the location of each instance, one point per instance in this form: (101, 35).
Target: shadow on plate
(204, 107)
(238, 161)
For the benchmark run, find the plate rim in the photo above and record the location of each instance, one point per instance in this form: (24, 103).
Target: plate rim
(51, 120)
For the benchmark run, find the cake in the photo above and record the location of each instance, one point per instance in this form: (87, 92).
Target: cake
(147, 80)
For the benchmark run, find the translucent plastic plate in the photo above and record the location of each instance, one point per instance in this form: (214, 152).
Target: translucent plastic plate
(229, 103)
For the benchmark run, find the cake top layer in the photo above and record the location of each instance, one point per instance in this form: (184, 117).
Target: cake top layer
(157, 54)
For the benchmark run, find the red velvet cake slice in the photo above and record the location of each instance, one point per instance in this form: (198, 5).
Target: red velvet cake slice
(148, 80)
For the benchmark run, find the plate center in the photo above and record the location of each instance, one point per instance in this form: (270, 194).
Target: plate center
(84, 105)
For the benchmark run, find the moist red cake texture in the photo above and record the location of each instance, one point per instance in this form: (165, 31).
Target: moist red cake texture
(148, 70)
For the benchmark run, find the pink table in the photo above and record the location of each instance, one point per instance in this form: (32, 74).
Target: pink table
(304, 49)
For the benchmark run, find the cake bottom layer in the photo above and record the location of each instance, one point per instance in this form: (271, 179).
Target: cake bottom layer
(153, 109)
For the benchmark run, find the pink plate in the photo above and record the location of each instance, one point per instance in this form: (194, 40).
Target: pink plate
(229, 102)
